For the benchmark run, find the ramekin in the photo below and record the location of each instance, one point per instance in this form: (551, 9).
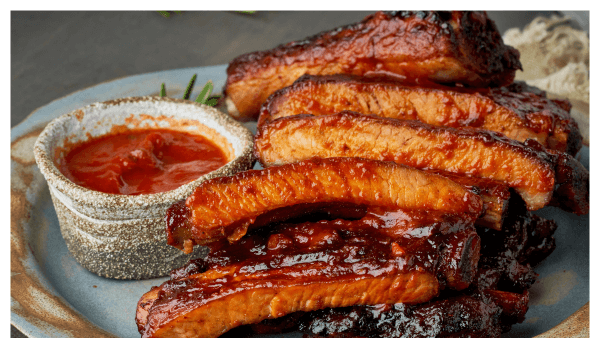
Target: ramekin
(123, 236)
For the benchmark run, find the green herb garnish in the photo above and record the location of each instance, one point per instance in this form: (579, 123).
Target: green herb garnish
(188, 89)
(205, 92)
(166, 14)
(205, 96)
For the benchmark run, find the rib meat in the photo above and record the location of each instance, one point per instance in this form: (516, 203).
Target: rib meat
(314, 265)
(441, 47)
(534, 173)
(496, 300)
(226, 207)
(518, 111)
(495, 196)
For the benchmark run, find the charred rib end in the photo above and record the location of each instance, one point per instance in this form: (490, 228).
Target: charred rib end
(572, 188)
(177, 227)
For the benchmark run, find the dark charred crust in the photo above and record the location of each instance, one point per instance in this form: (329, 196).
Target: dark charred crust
(572, 180)
(491, 55)
(572, 190)
(483, 56)
(496, 298)
(464, 48)
(489, 307)
(379, 245)
(460, 316)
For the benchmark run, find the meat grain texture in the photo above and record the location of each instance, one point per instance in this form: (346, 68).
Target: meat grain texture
(533, 172)
(226, 207)
(517, 111)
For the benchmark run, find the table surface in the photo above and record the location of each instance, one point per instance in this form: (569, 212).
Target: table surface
(56, 53)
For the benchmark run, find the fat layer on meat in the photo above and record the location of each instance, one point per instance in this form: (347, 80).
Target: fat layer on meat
(518, 111)
(532, 172)
(441, 47)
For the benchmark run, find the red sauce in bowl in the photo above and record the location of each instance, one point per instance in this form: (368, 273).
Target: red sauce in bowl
(141, 161)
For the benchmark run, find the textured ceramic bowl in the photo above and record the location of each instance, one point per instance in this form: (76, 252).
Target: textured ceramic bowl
(122, 236)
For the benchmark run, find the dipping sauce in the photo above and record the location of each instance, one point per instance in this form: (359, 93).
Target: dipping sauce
(141, 161)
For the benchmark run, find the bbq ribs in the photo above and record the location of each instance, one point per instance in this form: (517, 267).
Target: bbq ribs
(422, 47)
(226, 207)
(385, 257)
(538, 175)
(400, 171)
(517, 111)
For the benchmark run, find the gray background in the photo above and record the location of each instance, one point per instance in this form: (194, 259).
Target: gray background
(56, 53)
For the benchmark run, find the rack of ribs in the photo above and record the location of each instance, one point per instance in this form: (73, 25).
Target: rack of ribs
(540, 176)
(386, 257)
(517, 111)
(496, 299)
(423, 47)
(227, 207)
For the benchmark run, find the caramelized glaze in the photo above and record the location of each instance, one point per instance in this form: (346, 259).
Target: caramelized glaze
(464, 151)
(517, 111)
(226, 207)
(387, 257)
(441, 47)
(492, 304)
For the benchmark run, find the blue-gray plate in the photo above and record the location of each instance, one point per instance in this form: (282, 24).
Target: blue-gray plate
(53, 296)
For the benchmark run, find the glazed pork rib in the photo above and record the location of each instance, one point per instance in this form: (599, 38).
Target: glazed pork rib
(226, 207)
(496, 300)
(518, 111)
(441, 47)
(536, 174)
(311, 266)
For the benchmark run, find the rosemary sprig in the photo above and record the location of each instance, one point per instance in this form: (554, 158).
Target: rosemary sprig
(188, 89)
(205, 92)
(205, 96)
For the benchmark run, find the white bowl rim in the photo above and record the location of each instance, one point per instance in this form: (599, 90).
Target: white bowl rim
(162, 199)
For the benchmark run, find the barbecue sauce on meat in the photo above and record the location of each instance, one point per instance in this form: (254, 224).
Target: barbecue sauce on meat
(381, 243)
(539, 175)
(497, 299)
(442, 47)
(409, 239)
(227, 207)
(518, 111)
